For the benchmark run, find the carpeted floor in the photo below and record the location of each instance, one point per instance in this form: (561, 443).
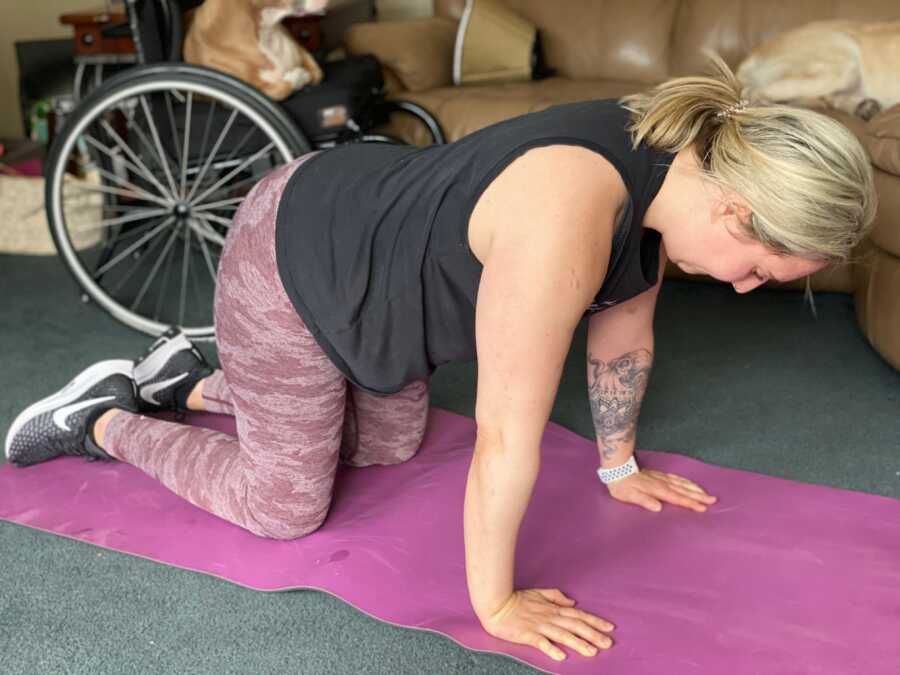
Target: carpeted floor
(751, 382)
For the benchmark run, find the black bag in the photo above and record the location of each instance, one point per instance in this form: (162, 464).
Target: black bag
(351, 89)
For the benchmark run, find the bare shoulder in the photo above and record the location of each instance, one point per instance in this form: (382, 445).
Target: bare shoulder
(575, 192)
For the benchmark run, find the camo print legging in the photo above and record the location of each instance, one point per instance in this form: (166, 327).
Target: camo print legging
(296, 414)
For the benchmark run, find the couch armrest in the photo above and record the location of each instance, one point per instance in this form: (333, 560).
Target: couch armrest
(418, 51)
(882, 140)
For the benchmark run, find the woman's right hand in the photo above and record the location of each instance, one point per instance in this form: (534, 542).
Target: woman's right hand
(537, 616)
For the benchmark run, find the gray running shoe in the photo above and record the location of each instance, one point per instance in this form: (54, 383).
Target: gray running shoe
(62, 423)
(166, 374)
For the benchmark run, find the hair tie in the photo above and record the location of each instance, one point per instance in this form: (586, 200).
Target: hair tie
(732, 109)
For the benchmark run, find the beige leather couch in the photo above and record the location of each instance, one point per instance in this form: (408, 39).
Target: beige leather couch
(611, 48)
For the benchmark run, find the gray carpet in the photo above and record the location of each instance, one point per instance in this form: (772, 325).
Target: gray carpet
(750, 382)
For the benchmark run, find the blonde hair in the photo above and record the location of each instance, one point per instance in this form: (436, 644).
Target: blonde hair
(806, 178)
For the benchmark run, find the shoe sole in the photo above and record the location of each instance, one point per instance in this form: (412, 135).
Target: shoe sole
(147, 369)
(73, 390)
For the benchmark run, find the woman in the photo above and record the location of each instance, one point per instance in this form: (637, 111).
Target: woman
(373, 264)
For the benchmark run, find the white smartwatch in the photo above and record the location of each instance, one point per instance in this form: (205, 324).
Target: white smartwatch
(618, 472)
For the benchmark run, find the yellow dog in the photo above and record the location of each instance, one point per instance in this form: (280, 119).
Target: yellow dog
(245, 38)
(849, 65)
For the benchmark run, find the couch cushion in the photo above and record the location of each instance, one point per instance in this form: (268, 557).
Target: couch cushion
(494, 44)
(462, 110)
(417, 51)
(616, 39)
(882, 139)
(877, 288)
(734, 28)
(590, 40)
(886, 233)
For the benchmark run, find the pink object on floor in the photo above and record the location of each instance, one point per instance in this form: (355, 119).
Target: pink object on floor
(30, 167)
(777, 577)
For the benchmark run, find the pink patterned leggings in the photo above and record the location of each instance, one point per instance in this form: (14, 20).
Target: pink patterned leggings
(296, 414)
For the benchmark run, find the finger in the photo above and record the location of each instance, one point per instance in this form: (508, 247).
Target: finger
(650, 504)
(679, 497)
(584, 630)
(556, 596)
(562, 636)
(690, 485)
(548, 647)
(700, 497)
(587, 617)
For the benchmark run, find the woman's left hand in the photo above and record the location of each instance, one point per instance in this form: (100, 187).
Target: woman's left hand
(647, 487)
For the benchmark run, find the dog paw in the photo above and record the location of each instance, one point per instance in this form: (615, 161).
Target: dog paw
(868, 108)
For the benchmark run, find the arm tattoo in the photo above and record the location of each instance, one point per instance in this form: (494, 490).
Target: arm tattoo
(616, 389)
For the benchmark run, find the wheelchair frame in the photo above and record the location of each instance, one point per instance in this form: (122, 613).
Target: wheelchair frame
(165, 196)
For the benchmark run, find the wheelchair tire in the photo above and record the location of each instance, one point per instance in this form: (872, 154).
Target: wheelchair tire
(136, 141)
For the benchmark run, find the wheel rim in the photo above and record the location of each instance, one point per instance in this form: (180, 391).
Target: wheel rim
(162, 167)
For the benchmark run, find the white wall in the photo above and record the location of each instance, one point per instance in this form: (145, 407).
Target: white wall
(27, 21)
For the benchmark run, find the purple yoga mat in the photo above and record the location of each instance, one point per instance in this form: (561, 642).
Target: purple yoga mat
(777, 577)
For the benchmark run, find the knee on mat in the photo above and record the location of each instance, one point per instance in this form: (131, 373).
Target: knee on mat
(385, 456)
(409, 450)
(289, 531)
(269, 520)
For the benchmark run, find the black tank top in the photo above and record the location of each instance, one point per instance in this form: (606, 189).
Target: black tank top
(372, 244)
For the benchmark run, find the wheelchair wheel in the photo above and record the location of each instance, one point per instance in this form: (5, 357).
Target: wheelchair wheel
(143, 182)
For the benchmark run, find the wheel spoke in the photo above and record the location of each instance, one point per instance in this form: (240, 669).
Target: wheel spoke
(206, 129)
(235, 201)
(117, 157)
(231, 155)
(174, 128)
(130, 217)
(148, 196)
(208, 258)
(164, 158)
(233, 186)
(135, 245)
(135, 267)
(165, 283)
(119, 193)
(198, 293)
(137, 230)
(206, 230)
(184, 272)
(212, 154)
(134, 158)
(122, 207)
(240, 167)
(134, 126)
(153, 271)
(187, 136)
(216, 219)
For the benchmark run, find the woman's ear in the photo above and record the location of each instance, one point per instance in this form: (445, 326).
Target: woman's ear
(734, 207)
(736, 215)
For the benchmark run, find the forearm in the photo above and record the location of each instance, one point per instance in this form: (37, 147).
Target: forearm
(498, 490)
(616, 386)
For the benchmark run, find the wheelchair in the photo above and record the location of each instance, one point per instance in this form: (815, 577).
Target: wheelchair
(149, 168)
